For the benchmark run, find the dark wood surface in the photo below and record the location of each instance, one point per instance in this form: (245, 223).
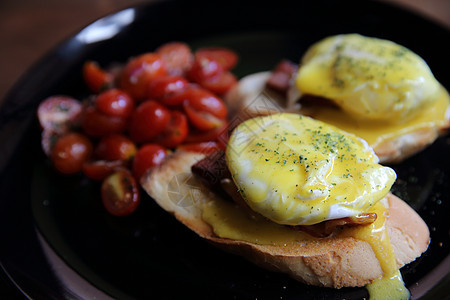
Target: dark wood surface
(29, 28)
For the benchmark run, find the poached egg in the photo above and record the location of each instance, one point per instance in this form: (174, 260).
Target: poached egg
(295, 170)
(383, 90)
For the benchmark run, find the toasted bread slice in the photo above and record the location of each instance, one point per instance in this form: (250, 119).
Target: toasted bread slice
(250, 98)
(329, 262)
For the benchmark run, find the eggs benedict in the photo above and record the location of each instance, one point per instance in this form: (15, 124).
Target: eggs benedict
(293, 172)
(374, 88)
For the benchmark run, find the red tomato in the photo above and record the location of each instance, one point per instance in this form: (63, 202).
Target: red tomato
(226, 58)
(176, 99)
(204, 68)
(95, 124)
(197, 136)
(202, 147)
(219, 84)
(166, 86)
(96, 78)
(120, 193)
(115, 147)
(100, 169)
(70, 152)
(148, 120)
(204, 110)
(59, 113)
(139, 71)
(147, 157)
(176, 132)
(177, 56)
(115, 102)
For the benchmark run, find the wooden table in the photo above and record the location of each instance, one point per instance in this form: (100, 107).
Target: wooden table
(29, 28)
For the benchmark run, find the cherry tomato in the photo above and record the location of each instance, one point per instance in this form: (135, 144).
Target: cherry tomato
(176, 131)
(202, 147)
(166, 86)
(148, 120)
(219, 84)
(139, 71)
(177, 56)
(198, 136)
(120, 193)
(204, 110)
(70, 152)
(226, 58)
(204, 68)
(59, 113)
(115, 147)
(115, 102)
(100, 169)
(96, 78)
(176, 99)
(147, 157)
(96, 124)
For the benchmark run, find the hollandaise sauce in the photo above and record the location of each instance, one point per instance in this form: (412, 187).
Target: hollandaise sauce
(391, 285)
(436, 115)
(228, 220)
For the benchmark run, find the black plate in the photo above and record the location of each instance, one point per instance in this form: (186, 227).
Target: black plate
(58, 242)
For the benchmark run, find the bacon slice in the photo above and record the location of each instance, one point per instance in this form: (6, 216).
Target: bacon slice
(281, 76)
(326, 228)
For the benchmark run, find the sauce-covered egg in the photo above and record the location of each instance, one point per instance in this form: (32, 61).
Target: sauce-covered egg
(298, 171)
(370, 78)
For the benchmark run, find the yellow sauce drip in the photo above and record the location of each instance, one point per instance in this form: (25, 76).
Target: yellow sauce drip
(228, 220)
(391, 285)
(377, 132)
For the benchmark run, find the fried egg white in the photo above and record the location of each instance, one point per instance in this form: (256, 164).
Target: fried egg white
(295, 170)
(369, 78)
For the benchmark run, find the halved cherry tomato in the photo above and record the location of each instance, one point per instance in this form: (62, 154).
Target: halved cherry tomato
(219, 84)
(175, 100)
(147, 157)
(176, 131)
(198, 136)
(203, 147)
(148, 120)
(120, 193)
(204, 68)
(96, 124)
(70, 152)
(100, 169)
(139, 71)
(96, 78)
(115, 147)
(178, 57)
(59, 113)
(166, 86)
(204, 110)
(226, 58)
(202, 120)
(115, 102)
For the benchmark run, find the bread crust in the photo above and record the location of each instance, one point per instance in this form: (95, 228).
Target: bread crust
(249, 99)
(328, 262)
